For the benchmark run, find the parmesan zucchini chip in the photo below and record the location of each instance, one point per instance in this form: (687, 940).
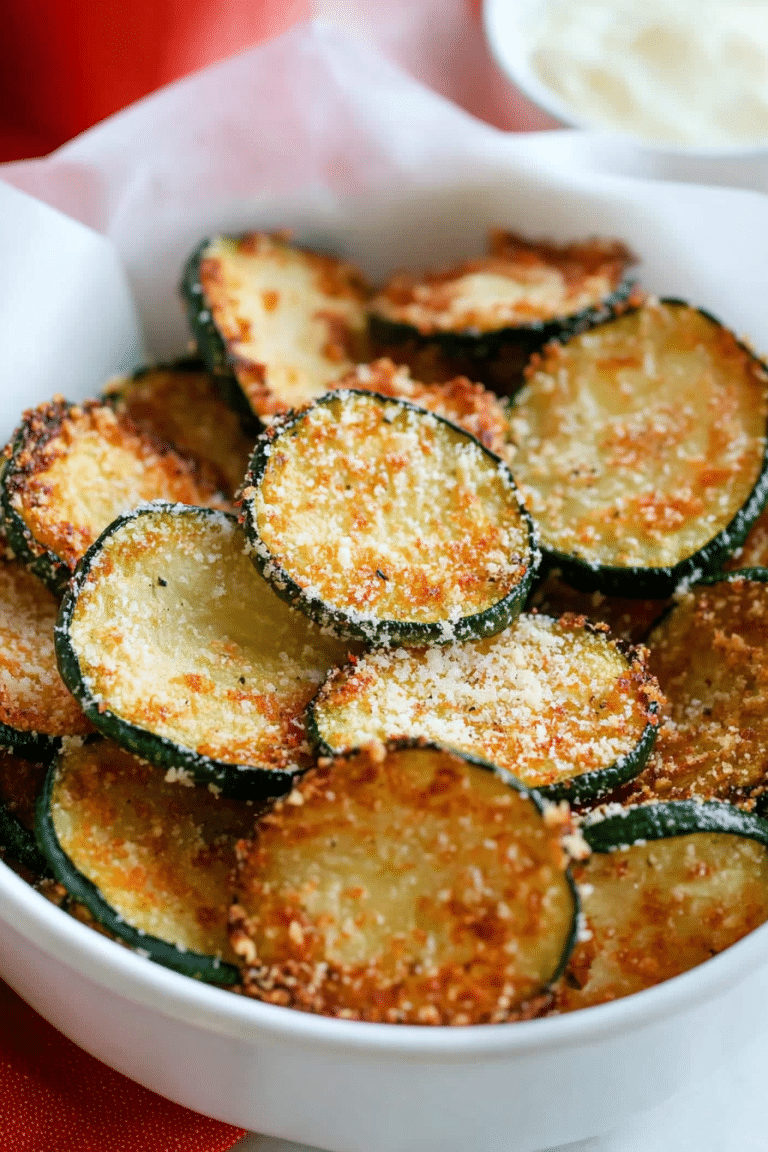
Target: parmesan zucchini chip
(552, 701)
(505, 305)
(710, 655)
(469, 405)
(179, 404)
(70, 470)
(179, 651)
(284, 321)
(383, 521)
(640, 449)
(410, 886)
(150, 860)
(21, 782)
(36, 709)
(667, 887)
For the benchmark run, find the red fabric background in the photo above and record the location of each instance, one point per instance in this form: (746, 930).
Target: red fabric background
(69, 63)
(56, 1098)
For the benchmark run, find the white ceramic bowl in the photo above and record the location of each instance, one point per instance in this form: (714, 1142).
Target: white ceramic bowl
(347, 1086)
(739, 166)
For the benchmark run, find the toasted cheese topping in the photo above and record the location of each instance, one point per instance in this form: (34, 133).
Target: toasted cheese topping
(175, 632)
(293, 321)
(160, 854)
(407, 887)
(383, 512)
(635, 444)
(710, 655)
(654, 910)
(521, 282)
(469, 405)
(32, 695)
(81, 466)
(545, 699)
(181, 406)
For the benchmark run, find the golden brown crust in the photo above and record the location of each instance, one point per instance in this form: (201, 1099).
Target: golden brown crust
(520, 282)
(655, 910)
(407, 887)
(181, 407)
(32, 695)
(386, 513)
(469, 405)
(711, 659)
(160, 853)
(314, 298)
(80, 466)
(635, 444)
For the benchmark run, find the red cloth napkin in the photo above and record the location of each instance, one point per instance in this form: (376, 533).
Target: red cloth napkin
(56, 1098)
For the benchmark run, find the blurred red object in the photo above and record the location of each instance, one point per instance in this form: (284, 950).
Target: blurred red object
(69, 63)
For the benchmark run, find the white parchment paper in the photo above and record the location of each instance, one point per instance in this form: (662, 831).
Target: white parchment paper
(317, 132)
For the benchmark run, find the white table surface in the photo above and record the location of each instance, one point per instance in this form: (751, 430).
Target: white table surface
(726, 1112)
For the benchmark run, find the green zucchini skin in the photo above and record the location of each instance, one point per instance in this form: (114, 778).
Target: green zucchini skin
(211, 349)
(672, 818)
(236, 781)
(80, 888)
(385, 633)
(660, 582)
(28, 745)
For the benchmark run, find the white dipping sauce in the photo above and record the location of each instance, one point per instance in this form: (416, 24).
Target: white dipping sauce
(691, 72)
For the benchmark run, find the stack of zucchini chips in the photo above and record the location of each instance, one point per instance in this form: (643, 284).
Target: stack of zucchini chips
(396, 658)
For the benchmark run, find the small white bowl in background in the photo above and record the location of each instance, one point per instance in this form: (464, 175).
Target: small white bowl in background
(507, 25)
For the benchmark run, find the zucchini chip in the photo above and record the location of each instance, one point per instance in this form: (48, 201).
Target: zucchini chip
(150, 860)
(469, 405)
(553, 701)
(667, 887)
(507, 304)
(284, 321)
(179, 404)
(411, 885)
(36, 709)
(70, 470)
(21, 782)
(710, 655)
(383, 521)
(639, 447)
(179, 651)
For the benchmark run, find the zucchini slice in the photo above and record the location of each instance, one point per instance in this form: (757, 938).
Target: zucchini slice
(469, 405)
(21, 782)
(150, 860)
(667, 887)
(179, 651)
(507, 304)
(383, 521)
(640, 448)
(70, 470)
(179, 404)
(553, 701)
(286, 322)
(408, 885)
(710, 655)
(36, 709)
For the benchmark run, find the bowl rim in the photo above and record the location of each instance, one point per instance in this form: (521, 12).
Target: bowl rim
(141, 981)
(499, 18)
